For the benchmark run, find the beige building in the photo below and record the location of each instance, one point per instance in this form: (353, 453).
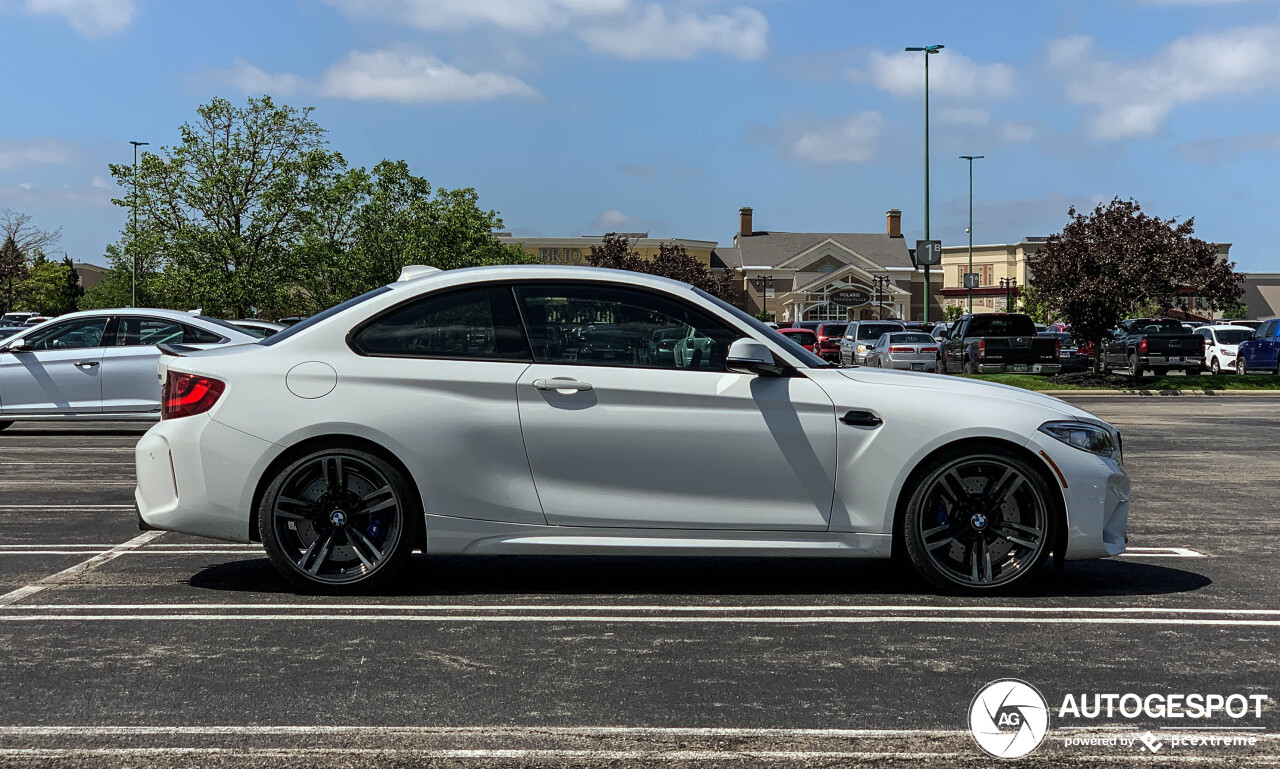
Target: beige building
(826, 275)
(575, 250)
(1262, 294)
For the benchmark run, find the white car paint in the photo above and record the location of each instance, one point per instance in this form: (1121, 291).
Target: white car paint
(107, 381)
(1215, 347)
(644, 461)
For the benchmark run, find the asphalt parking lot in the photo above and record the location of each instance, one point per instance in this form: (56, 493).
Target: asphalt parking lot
(123, 648)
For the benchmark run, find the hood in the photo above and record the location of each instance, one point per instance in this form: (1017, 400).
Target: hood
(975, 388)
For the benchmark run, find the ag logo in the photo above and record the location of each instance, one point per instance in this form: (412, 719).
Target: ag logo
(1008, 718)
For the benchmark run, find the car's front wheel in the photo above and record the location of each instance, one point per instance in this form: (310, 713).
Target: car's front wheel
(1214, 367)
(978, 522)
(1241, 367)
(338, 520)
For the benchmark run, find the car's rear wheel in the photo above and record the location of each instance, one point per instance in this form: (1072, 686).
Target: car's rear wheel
(1135, 369)
(970, 366)
(1214, 367)
(978, 522)
(338, 520)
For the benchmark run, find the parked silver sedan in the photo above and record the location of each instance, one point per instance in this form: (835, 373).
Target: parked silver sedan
(96, 365)
(910, 350)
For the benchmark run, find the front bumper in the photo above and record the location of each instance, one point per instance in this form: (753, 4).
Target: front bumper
(1096, 491)
(1012, 368)
(197, 476)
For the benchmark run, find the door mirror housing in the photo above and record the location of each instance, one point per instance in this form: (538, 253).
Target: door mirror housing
(17, 345)
(747, 356)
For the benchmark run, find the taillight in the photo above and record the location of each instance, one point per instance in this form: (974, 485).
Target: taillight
(1204, 343)
(982, 348)
(1142, 345)
(902, 349)
(187, 395)
(1057, 346)
(928, 349)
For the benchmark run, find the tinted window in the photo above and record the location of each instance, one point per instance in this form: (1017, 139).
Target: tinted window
(805, 357)
(874, 330)
(1157, 326)
(1001, 325)
(193, 335)
(1232, 336)
(476, 323)
(910, 339)
(72, 335)
(832, 329)
(609, 326)
(329, 313)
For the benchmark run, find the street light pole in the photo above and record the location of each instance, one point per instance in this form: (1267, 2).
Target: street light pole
(134, 243)
(970, 158)
(928, 50)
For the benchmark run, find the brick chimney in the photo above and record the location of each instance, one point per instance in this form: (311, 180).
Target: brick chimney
(893, 223)
(744, 221)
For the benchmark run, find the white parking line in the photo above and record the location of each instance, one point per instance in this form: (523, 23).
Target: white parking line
(1163, 552)
(8, 599)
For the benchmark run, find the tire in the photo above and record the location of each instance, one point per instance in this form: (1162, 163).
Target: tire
(339, 520)
(971, 366)
(1135, 370)
(1214, 368)
(951, 510)
(1242, 368)
(6, 425)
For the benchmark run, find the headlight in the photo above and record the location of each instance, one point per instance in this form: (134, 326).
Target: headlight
(1085, 436)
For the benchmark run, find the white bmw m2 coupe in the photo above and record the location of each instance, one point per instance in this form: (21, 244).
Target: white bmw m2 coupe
(523, 410)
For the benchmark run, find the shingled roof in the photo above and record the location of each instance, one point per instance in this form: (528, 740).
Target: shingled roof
(773, 248)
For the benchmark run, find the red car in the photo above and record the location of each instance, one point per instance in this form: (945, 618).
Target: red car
(829, 335)
(804, 337)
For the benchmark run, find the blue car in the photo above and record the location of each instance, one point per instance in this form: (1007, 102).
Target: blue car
(1259, 354)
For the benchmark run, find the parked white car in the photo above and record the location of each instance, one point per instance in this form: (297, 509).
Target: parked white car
(416, 416)
(99, 364)
(259, 328)
(1220, 343)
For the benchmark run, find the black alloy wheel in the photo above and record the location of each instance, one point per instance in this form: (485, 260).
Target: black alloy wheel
(338, 520)
(978, 523)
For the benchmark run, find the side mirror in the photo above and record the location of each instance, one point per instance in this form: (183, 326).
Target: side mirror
(747, 356)
(17, 345)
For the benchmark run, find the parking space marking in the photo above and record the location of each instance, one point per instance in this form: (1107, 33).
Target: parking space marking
(1163, 552)
(12, 597)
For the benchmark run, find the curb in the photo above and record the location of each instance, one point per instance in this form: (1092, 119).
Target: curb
(1160, 393)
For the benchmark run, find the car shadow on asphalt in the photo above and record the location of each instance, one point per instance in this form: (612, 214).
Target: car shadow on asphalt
(614, 576)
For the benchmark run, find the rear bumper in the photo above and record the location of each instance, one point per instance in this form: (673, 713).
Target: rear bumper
(1151, 361)
(906, 365)
(197, 476)
(1008, 368)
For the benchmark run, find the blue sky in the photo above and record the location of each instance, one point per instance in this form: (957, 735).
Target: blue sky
(580, 116)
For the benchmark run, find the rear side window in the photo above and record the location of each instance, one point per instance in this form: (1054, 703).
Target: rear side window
(478, 323)
(303, 325)
(193, 335)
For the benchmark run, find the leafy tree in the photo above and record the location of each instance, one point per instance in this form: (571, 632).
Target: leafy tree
(672, 261)
(1107, 262)
(13, 271)
(952, 312)
(20, 241)
(44, 288)
(71, 290)
(1235, 309)
(1030, 303)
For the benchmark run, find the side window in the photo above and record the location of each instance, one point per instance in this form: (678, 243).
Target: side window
(595, 325)
(477, 323)
(193, 335)
(134, 331)
(75, 334)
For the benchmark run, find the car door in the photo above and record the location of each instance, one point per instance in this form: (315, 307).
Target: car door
(129, 380)
(683, 444)
(57, 372)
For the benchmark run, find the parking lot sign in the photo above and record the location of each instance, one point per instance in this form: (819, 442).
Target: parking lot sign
(971, 280)
(928, 252)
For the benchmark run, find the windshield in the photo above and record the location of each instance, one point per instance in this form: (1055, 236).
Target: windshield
(801, 335)
(912, 338)
(832, 329)
(803, 355)
(1001, 325)
(329, 313)
(1232, 335)
(1157, 326)
(876, 330)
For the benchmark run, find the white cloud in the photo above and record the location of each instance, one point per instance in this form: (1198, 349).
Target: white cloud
(1135, 99)
(90, 194)
(252, 80)
(963, 116)
(614, 220)
(850, 140)
(951, 75)
(654, 34)
(523, 16)
(409, 77)
(384, 75)
(91, 18)
(1017, 132)
(18, 153)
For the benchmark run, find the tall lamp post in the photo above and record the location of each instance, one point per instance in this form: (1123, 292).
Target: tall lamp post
(882, 289)
(928, 50)
(970, 158)
(134, 261)
(1008, 284)
(763, 284)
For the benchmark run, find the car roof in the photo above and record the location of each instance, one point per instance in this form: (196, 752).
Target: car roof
(150, 312)
(1228, 328)
(537, 272)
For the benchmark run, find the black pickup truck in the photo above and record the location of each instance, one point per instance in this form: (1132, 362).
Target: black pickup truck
(997, 343)
(1159, 344)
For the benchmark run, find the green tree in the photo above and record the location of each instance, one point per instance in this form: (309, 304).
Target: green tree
(13, 271)
(220, 208)
(1235, 309)
(1030, 303)
(672, 261)
(951, 312)
(72, 290)
(44, 289)
(20, 241)
(1107, 262)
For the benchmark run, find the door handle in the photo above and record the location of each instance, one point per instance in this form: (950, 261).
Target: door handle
(561, 383)
(87, 363)
(861, 419)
